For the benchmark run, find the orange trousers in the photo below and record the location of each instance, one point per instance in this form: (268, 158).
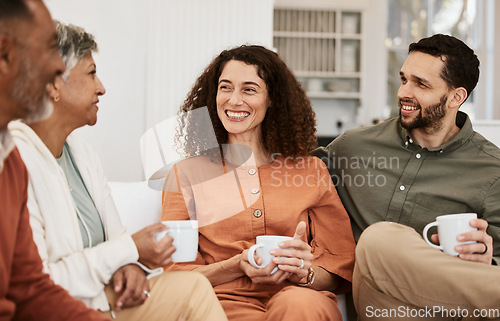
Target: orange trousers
(292, 303)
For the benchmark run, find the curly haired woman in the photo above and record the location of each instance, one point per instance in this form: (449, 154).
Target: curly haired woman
(260, 180)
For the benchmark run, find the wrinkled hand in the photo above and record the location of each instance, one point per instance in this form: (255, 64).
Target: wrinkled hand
(261, 276)
(288, 257)
(131, 280)
(154, 254)
(474, 252)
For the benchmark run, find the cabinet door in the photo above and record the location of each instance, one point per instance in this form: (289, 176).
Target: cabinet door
(326, 44)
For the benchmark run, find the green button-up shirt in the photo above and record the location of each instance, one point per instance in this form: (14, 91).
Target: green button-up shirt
(381, 174)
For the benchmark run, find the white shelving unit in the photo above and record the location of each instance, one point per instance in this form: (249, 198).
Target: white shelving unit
(323, 49)
(326, 44)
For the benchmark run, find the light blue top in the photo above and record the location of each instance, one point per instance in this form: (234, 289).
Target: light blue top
(89, 220)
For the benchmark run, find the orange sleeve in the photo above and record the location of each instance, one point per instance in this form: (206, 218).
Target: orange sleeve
(330, 228)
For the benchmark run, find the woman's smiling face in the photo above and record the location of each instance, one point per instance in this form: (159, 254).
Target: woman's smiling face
(242, 100)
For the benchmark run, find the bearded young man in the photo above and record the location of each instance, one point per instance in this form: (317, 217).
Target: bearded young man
(28, 62)
(429, 162)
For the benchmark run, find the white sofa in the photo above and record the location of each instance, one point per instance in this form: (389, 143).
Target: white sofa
(137, 203)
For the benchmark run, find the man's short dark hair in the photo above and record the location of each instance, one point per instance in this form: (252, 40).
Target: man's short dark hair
(12, 9)
(461, 66)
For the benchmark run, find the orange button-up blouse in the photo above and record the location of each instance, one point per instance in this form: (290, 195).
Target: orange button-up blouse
(235, 204)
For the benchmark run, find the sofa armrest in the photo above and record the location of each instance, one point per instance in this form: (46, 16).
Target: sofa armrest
(138, 205)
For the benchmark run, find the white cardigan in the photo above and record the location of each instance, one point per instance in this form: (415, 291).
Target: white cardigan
(53, 219)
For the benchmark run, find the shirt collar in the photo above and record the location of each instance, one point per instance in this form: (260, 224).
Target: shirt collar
(465, 133)
(6, 146)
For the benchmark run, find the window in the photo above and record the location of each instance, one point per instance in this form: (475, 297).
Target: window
(410, 20)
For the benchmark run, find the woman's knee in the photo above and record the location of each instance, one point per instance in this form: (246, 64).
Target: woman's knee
(297, 302)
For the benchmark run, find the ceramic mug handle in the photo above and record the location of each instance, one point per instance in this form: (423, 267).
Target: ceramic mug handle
(426, 230)
(251, 253)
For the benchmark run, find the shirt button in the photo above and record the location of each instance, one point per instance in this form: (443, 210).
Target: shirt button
(418, 155)
(255, 191)
(402, 187)
(252, 171)
(257, 213)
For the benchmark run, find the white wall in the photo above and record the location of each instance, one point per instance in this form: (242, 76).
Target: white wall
(490, 129)
(150, 53)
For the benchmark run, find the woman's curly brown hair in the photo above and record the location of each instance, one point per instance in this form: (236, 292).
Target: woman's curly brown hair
(289, 126)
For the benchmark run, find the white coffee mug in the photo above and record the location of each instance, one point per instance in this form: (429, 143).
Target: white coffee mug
(185, 235)
(449, 226)
(264, 244)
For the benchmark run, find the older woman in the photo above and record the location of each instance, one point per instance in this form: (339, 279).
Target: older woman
(82, 243)
(262, 181)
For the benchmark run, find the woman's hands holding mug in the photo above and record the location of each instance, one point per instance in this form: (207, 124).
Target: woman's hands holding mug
(289, 259)
(294, 256)
(262, 275)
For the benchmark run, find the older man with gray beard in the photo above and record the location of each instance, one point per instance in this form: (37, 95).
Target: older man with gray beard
(29, 60)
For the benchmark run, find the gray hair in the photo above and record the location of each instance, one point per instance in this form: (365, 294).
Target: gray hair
(74, 44)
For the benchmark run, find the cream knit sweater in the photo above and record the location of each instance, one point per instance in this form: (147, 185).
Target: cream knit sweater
(54, 221)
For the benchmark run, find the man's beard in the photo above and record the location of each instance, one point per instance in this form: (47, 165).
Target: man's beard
(431, 122)
(31, 95)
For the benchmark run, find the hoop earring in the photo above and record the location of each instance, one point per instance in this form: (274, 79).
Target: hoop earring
(56, 99)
